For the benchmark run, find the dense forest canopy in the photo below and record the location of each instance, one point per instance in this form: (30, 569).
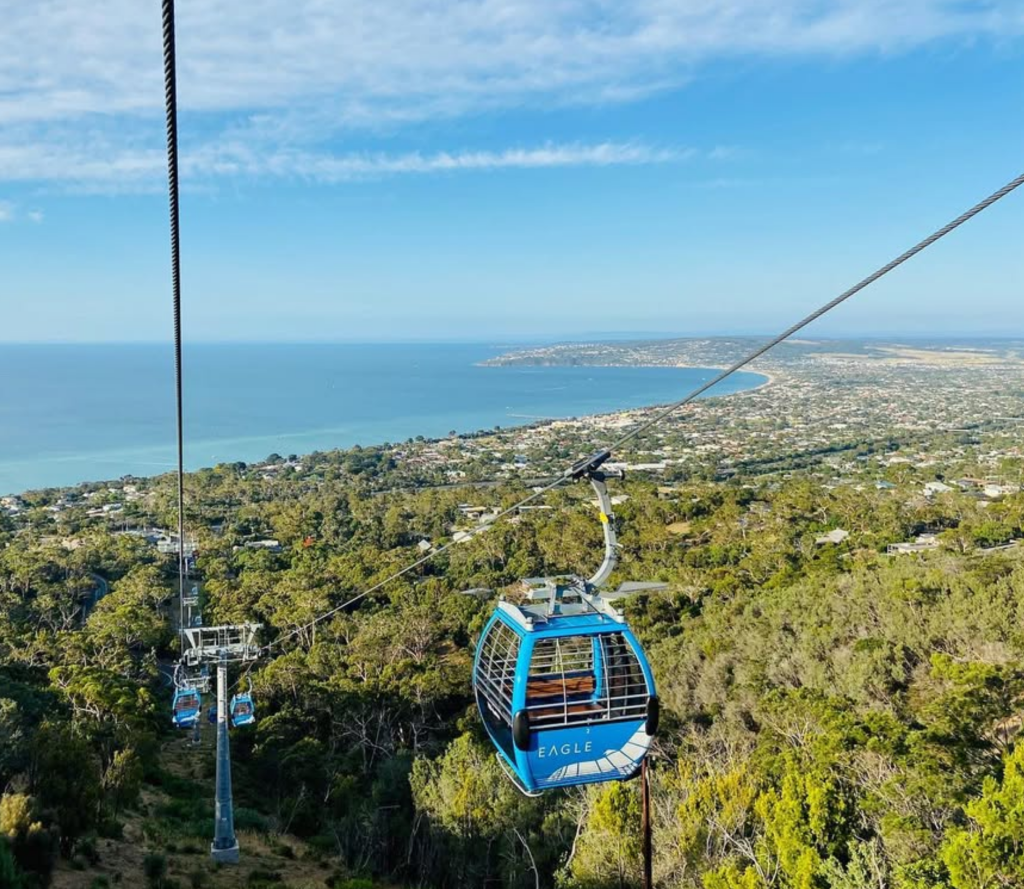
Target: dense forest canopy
(834, 715)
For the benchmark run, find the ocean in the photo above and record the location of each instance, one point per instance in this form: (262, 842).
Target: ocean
(73, 413)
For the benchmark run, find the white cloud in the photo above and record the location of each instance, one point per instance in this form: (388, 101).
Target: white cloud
(145, 170)
(35, 216)
(6, 211)
(288, 76)
(239, 159)
(64, 58)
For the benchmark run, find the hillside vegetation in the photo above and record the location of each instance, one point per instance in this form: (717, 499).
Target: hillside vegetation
(834, 717)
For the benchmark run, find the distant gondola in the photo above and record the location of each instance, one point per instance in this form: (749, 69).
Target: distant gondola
(243, 711)
(185, 707)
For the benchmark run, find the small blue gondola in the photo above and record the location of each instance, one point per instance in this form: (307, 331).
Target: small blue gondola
(562, 685)
(185, 707)
(243, 711)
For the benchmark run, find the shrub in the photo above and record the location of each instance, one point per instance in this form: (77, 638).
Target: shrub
(154, 866)
(282, 849)
(8, 869)
(323, 844)
(110, 829)
(179, 788)
(250, 819)
(33, 847)
(87, 848)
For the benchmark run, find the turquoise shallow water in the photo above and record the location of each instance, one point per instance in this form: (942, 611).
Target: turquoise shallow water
(71, 413)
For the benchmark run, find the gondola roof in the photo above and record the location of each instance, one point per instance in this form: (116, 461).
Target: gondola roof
(572, 620)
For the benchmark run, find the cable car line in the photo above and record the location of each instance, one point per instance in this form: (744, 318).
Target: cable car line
(412, 566)
(186, 703)
(825, 309)
(583, 467)
(171, 106)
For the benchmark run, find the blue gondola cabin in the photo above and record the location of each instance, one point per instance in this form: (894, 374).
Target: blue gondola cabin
(185, 707)
(567, 697)
(242, 710)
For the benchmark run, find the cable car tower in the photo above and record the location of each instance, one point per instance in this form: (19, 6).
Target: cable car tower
(223, 645)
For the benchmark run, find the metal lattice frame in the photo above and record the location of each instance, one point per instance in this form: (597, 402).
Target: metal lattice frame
(236, 642)
(559, 670)
(496, 670)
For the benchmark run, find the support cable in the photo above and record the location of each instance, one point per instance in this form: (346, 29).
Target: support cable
(579, 469)
(171, 106)
(825, 309)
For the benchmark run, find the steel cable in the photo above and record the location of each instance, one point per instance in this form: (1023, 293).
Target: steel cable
(171, 107)
(671, 409)
(828, 307)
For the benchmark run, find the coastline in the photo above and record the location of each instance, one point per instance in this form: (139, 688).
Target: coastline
(769, 377)
(510, 360)
(148, 460)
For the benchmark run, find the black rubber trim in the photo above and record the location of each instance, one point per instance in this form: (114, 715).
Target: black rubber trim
(653, 715)
(521, 730)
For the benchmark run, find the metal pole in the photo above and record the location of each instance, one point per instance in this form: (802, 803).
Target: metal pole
(225, 845)
(645, 824)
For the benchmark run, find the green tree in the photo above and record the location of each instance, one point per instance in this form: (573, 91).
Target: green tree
(464, 790)
(609, 849)
(122, 781)
(67, 781)
(13, 751)
(805, 821)
(989, 852)
(477, 809)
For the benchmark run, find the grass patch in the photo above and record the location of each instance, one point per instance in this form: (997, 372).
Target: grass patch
(260, 878)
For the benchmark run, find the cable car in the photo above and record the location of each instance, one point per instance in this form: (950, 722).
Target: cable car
(185, 707)
(242, 709)
(562, 684)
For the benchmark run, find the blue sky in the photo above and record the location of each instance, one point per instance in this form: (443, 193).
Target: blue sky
(510, 169)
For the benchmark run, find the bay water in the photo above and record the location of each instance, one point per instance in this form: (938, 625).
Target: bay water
(73, 413)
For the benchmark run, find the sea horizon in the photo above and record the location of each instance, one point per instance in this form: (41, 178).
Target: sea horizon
(505, 341)
(76, 413)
